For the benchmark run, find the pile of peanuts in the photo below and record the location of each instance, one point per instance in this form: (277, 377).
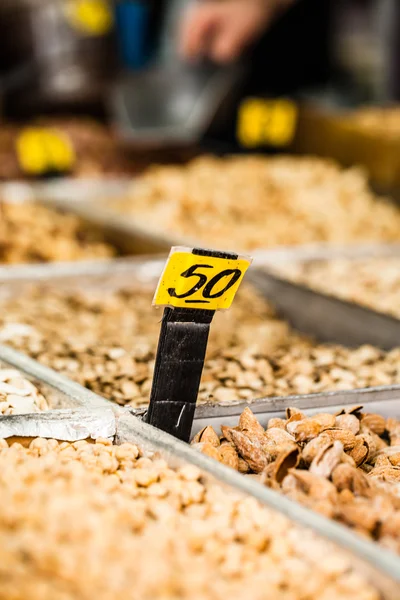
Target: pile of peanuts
(107, 340)
(372, 282)
(30, 233)
(18, 395)
(257, 202)
(82, 521)
(345, 466)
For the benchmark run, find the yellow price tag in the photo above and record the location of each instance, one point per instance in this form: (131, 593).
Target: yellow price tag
(92, 17)
(196, 281)
(41, 150)
(266, 122)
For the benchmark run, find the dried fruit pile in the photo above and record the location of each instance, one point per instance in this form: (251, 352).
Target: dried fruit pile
(255, 202)
(345, 466)
(18, 395)
(373, 282)
(82, 521)
(30, 233)
(107, 341)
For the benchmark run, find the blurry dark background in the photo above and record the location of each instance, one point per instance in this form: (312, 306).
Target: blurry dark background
(336, 52)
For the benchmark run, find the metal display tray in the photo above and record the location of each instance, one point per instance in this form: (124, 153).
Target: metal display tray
(94, 202)
(82, 198)
(270, 408)
(144, 274)
(379, 566)
(347, 318)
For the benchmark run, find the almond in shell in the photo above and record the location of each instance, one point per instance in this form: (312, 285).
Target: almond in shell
(361, 451)
(346, 477)
(314, 447)
(346, 437)
(276, 472)
(304, 430)
(251, 451)
(376, 423)
(228, 456)
(348, 421)
(248, 422)
(327, 460)
(314, 486)
(208, 436)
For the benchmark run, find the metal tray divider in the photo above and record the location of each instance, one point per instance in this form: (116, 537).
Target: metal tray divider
(267, 262)
(65, 425)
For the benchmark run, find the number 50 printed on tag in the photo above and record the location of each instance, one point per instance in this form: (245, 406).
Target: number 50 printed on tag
(197, 281)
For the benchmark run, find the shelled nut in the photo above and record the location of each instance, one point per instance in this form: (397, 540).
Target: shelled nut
(19, 396)
(95, 520)
(350, 474)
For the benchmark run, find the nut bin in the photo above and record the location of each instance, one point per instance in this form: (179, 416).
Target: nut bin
(96, 325)
(250, 202)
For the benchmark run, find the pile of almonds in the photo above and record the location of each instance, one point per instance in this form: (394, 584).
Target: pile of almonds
(82, 521)
(106, 340)
(18, 395)
(31, 233)
(250, 202)
(345, 466)
(372, 282)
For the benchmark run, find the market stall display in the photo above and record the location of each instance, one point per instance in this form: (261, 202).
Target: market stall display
(98, 505)
(344, 465)
(105, 336)
(255, 202)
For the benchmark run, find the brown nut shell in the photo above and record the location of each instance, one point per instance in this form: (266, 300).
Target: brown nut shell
(376, 423)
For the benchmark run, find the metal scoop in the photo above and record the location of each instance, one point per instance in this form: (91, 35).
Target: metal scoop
(173, 104)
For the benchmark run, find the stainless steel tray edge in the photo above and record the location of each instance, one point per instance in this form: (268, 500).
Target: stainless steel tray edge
(323, 251)
(66, 425)
(117, 227)
(302, 401)
(327, 318)
(146, 269)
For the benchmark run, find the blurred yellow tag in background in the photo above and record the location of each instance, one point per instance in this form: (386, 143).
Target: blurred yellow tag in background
(266, 122)
(202, 282)
(92, 17)
(41, 150)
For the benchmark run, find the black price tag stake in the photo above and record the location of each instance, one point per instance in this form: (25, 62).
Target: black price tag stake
(195, 284)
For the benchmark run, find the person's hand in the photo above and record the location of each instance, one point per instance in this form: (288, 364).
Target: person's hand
(222, 29)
